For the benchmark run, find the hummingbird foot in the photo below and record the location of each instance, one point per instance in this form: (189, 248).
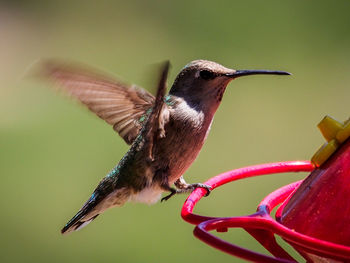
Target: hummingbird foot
(192, 187)
(183, 187)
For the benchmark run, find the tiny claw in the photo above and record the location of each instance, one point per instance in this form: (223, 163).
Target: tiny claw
(207, 188)
(208, 192)
(166, 198)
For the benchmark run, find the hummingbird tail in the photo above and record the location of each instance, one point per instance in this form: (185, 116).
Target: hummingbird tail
(85, 215)
(76, 224)
(98, 202)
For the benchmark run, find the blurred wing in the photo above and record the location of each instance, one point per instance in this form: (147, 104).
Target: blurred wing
(120, 105)
(159, 115)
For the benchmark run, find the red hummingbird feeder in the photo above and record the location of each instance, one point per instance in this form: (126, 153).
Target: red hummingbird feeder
(313, 216)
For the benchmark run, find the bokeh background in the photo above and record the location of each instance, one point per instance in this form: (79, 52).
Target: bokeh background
(53, 152)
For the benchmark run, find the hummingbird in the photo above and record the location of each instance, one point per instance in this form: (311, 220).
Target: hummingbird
(166, 132)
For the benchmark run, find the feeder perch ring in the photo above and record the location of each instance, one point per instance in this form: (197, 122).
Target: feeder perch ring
(260, 225)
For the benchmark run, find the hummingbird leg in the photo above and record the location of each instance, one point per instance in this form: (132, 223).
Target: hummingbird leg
(183, 187)
(162, 177)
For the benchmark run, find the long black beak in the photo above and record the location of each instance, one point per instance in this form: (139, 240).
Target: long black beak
(240, 73)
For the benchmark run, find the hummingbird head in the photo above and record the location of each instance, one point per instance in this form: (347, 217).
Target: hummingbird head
(202, 83)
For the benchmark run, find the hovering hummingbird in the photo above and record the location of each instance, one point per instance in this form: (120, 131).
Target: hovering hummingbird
(166, 132)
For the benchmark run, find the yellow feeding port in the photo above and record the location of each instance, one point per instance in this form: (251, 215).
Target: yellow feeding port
(335, 133)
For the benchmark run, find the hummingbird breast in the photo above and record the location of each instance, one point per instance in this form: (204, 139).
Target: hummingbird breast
(185, 134)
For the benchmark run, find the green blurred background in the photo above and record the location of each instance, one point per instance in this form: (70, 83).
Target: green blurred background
(54, 152)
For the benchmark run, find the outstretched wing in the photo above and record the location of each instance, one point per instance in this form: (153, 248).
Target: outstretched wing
(118, 104)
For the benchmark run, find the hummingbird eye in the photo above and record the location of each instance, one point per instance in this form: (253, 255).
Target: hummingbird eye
(206, 74)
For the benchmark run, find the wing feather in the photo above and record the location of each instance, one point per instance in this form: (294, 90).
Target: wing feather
(118, 104)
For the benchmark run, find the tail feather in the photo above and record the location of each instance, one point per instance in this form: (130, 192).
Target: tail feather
(76, 224)
(82, 218)
(99, 201)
